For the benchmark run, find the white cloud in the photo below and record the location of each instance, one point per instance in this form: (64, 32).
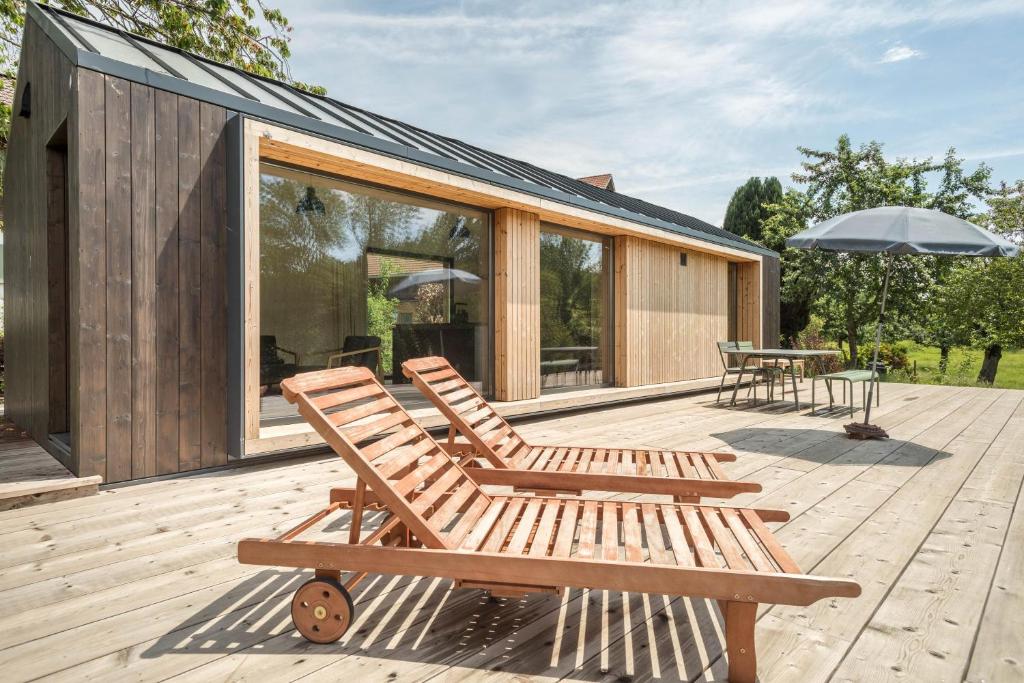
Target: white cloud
(899, 53)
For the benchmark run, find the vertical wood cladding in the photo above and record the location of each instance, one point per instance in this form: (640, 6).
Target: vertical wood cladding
(33, 214)
(770, 293)
(164, 325)
(516, 305)
(146, 270)
(667, 316)
(748, 304)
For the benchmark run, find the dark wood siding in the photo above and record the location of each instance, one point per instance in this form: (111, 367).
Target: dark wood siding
(770, 301)
(27, 214)
(147, 270)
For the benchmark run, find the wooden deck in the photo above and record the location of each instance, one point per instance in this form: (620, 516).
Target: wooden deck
(141, 582)
(29, 475)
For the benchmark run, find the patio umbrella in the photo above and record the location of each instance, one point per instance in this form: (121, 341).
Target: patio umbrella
(898, 230)
(410, 283)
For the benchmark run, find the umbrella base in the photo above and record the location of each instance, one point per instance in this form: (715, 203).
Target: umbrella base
(859, 430)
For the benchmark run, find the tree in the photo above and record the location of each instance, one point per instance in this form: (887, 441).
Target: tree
(982, 300)
(747, 210)
(845, 287)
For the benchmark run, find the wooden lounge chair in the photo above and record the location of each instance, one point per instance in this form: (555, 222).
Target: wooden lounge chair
(685, 475)
(440, 523)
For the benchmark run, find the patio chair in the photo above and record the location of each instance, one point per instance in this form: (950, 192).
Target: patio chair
(551, 469)
(726, 349)
(362, 351)
(438, 522)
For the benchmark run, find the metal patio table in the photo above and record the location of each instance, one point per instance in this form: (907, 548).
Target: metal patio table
(778, 354)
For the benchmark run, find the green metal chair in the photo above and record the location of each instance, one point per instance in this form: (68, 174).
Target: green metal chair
(728, 350)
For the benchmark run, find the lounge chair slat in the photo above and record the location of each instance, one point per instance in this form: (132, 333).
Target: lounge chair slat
(572, 457)
(448, 479)
(344, 417)
(701, 467)
(545, 529)
(727, 544)
(421, 473)
(436, 375)
(566, 529)
(370, 429)
(654, 464)
(337, 398)
(392, 441)
(632, 533)
(652, 530)
(704, 549)
(585, 457)
(404, 457)
(680, 546)
(447, 511)
(524, 529)
(504, 524)
(459, 395)
(477, 415)
(469, 519)
(753, 550)
(640, 459)
(768, 540)
(610, 531)
(716, 469)
(449, 385)
(673, 467)
(556, 460)
(479, 533)
(510, 450)
(588, 529)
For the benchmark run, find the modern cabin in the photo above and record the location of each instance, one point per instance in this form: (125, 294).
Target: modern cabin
(181, 236)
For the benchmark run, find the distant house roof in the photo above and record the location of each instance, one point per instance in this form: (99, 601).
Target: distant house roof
(7, 85)
(93, 45)
(603, 181)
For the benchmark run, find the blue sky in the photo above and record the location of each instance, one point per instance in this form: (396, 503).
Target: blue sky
(681, 101)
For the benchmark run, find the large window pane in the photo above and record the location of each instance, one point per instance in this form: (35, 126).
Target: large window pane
(575, 309)
(356, 275)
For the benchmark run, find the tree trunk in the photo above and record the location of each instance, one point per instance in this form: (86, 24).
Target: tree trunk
(852, 341)
(993, 352)
(943, 359)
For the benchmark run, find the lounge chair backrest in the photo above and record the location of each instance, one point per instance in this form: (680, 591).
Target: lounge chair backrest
(387, 449)
(465, 408)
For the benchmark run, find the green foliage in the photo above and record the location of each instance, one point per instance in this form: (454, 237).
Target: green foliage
(569, 290)
(746, 212)
(963, 367)
(895, 355)
(844, 288)
(382, 310)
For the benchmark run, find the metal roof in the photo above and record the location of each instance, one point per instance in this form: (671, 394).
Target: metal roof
(92, 45)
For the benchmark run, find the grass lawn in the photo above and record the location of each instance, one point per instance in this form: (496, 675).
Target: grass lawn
(964, 365)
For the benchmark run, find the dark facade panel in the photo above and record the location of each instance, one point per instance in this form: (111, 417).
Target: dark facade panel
(770, 302)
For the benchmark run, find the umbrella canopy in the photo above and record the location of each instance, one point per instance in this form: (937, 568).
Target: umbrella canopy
(410, 283)
(903, 230)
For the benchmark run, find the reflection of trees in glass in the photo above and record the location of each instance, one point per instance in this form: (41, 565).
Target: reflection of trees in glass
(382, 310)
(569, 288)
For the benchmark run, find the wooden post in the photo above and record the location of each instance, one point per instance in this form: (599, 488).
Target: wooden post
(516, 305)
(739, 640)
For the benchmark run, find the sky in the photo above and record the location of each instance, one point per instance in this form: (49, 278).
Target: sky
(682, 102)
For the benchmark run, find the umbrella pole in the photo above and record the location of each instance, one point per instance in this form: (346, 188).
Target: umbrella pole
(878, 338)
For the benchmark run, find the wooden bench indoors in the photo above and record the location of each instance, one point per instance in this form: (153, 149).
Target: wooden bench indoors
(441, 523)
(500, 455)
(848, 377)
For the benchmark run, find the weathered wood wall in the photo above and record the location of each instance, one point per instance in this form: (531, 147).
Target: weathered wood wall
(770, 293)
(667, 316)
(516, 304)
(27, 211)
(146, 268)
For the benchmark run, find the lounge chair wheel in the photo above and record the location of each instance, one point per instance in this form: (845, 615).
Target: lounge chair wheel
(322, 610)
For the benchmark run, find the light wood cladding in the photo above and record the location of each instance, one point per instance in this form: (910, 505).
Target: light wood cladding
(516, 305)
(748, 304)
(667, 316)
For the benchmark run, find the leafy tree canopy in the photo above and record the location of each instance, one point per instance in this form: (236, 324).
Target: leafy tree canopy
(746, 212)
(844, 288)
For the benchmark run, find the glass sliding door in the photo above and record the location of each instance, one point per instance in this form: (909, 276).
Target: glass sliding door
(575, 309)
(357, 275)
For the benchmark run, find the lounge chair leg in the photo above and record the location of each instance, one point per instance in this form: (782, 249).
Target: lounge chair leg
(739, 639)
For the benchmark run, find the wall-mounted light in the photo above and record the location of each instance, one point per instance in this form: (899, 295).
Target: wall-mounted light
(682, 258)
